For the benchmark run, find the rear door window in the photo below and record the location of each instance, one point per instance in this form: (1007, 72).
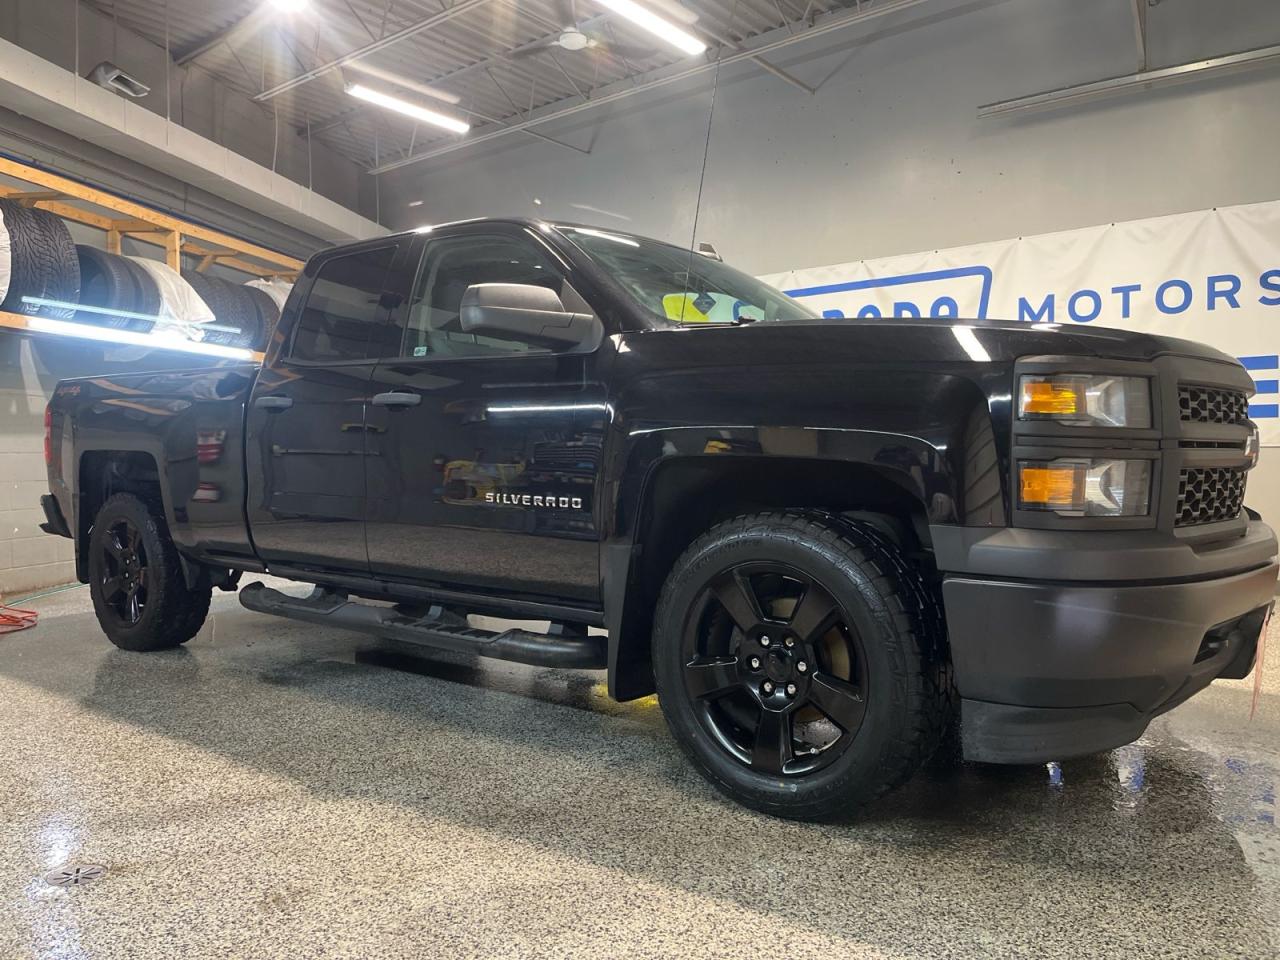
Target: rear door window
(344, 303)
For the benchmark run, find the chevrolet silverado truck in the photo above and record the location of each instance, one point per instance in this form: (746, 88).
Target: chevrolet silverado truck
(821, 543)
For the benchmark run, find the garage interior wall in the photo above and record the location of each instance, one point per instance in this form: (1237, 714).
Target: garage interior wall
(192, 98)
(889, 156)
(29, 559)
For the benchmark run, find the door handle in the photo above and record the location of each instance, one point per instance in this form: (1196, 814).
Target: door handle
(273, 403)
(394, 399)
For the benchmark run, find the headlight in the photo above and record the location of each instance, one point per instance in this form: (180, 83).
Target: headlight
(1086, 488)
(1086, 400)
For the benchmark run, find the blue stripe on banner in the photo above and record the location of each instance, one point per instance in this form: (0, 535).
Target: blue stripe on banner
(1263, 410)
(1266, 362)
(1267, 386)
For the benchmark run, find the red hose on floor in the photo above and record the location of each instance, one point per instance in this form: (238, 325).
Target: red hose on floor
(13, 619)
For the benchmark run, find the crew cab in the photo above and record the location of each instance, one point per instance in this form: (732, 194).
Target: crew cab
(822, 543)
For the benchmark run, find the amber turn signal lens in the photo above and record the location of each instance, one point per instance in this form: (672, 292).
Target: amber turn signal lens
(1051, 486)
(1086, 488)
(1055, 398)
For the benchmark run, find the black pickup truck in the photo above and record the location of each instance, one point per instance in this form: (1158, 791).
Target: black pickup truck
(822, 543)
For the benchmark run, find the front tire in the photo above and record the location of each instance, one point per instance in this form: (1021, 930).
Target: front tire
(799, 662)
(139, 592)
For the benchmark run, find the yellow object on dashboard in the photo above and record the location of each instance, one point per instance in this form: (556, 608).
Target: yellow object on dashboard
(680, 308)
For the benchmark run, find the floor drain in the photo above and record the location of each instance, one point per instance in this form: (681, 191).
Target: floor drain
(75, 874)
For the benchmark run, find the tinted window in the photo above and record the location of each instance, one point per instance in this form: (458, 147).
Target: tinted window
(341, 307)
(455, 263)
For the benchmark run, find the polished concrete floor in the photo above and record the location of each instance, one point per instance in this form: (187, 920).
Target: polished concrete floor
(276, 790)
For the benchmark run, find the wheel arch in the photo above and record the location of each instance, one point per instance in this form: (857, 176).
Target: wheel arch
(102, 473)
(682, 496)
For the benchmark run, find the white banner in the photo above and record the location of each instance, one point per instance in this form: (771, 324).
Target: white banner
(1212, 276)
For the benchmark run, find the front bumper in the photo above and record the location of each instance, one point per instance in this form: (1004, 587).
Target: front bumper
(1052, 669)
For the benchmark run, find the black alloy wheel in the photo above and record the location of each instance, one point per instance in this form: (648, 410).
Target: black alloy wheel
(124, 572)
(143, 597)
(776, 668)
(801, 663)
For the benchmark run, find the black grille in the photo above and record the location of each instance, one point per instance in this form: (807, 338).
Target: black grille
(1209, 495)
(1211, 405)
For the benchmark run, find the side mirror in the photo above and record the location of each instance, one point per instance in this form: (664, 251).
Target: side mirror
(524, 312)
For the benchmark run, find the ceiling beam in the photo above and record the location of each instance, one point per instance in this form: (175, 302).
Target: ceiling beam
(459, 8)
(244, 27)
(827, 24)
(1135, 82)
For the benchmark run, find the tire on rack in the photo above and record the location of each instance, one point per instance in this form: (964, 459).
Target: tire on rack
(107, 281)
(43, 261)
(268, 315)
(136, 582)
(800, 663)
(147, 292)
(244, 312)
(230, 309)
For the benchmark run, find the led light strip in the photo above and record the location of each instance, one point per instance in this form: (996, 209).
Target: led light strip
(159, 341)
(126, 314)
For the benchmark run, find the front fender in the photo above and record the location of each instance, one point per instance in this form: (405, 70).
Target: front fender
(822, 436)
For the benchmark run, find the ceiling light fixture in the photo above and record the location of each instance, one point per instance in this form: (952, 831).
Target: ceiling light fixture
(682, 40)
(359, 66)
(376, 97)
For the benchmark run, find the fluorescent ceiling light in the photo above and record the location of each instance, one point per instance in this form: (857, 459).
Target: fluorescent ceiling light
(361, 92)
(425, 89)
(682, 40)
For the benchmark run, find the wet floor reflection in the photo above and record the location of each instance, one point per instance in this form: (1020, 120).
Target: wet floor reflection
(1159, 848)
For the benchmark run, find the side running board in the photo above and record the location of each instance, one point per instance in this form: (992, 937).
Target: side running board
(565, 647)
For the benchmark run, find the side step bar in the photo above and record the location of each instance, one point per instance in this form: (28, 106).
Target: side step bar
(565, 647)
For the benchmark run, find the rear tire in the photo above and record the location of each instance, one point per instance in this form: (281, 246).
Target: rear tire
(139, 592)
(800, 664)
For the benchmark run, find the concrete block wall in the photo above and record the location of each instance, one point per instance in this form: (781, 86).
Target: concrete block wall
(29, 558)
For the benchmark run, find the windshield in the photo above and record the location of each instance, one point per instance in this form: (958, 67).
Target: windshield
(661, 279)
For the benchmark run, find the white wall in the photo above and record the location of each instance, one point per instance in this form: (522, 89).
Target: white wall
(889, 156)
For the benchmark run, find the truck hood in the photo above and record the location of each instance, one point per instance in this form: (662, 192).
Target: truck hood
(928, 341)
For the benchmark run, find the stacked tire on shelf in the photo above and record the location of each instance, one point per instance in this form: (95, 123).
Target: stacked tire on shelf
(113, 282)
(246, 317)
(47, 265)
(42, 262)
